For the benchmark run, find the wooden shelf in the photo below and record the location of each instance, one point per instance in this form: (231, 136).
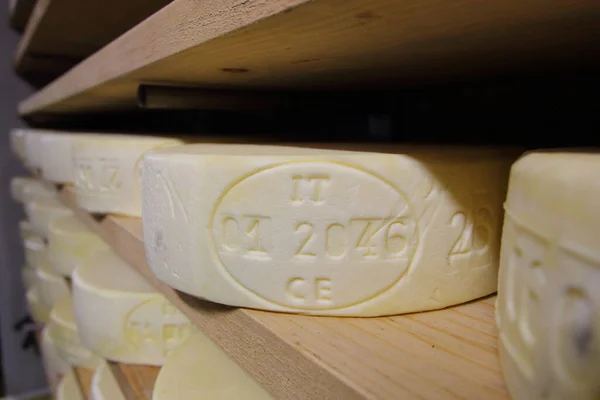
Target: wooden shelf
(19, 12)
(447, 354)
(136, 381)
(61, 33)
(324, 44)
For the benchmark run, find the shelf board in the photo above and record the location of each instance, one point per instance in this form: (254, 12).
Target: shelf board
(136, 381)
(325, 44)
(61, 33)
(19, 12)
(447, 354)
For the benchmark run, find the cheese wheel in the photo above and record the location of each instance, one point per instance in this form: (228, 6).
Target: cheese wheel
(548, 309)
(39, 312)
(120, 316)
(199, 369)
(26, 230)
(107, 171)
(35, 251)
(104, 385)
(70, 242)
(322, 231)
(33, 148)
(54, 365)
(56, 161)
(28, 276)
(51, 286)
(63, 330)
(68, 388)
(42, 212)
(17, 143)
(24, 189)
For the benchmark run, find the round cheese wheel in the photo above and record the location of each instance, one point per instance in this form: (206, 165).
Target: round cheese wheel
(199, 369)
(29, 277)
(104, 385)
(39, 312)
(54, 365)
(56, 160)
(42, 212)
(63, 330)
(68, 388)
(24, 189)
(107, 171)
(51, 286)
(548, 308)
(26, 229)
(35, 251)
(33, 148)
(325, 232)
(120, 316)
(70, 243)
(17, 143)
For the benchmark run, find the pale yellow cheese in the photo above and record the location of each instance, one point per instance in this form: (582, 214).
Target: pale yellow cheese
(63, 330)
(104, 385)
(51, 286)
(28, 276)
(17, 143)
(68, 388)
(26, 230)
(70, 243)
(35, 251)
(39, 312)
(548, 308)
(24, 189)
(325, 232)
(33, 148)
(199, 369)
(107, 171)
(56, 161)
(54, 365)
(42, 212)
(120, 316)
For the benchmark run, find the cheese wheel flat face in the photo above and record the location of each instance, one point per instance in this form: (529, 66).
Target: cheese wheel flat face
(68, 388)
(107, 171)
(120, 316)
(104, 385)
(322, 231)
(56, 160)
(42, 212)
(25, 189)
(35, 251)
(54, 365)
(17, 143)
(199, 369)
(63, 330)
(70, 243)
(548, 309)
(39, 312)
(51, 286)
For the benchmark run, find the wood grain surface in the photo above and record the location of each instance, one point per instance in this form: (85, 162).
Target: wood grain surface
(446, 354)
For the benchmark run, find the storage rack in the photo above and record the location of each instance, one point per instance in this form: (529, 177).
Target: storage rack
(293, 46)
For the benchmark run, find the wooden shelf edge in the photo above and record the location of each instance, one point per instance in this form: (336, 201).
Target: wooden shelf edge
(451, 351)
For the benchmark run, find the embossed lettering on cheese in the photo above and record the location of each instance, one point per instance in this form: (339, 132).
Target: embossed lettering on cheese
(325, 241)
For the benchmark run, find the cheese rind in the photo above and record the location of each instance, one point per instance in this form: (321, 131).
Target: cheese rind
(25, 189)
(548, 308)
(35, 251)
(28, 276)
(70, 243)
(26, 230)
(199, 366)
(17, 143)
(63, 330)
(104, 385)
(68, 388)
(136, 324)
(322, 231)
(33, 149)
(54, 365)
(51, 286)
(56, 160)
(107, 171)
(42, 212)
(39, 312)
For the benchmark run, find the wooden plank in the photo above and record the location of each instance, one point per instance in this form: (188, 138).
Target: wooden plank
(446, 354)
(84, 378)
(19, 12)
(325, 44)
(61, 33)
(136, 381)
